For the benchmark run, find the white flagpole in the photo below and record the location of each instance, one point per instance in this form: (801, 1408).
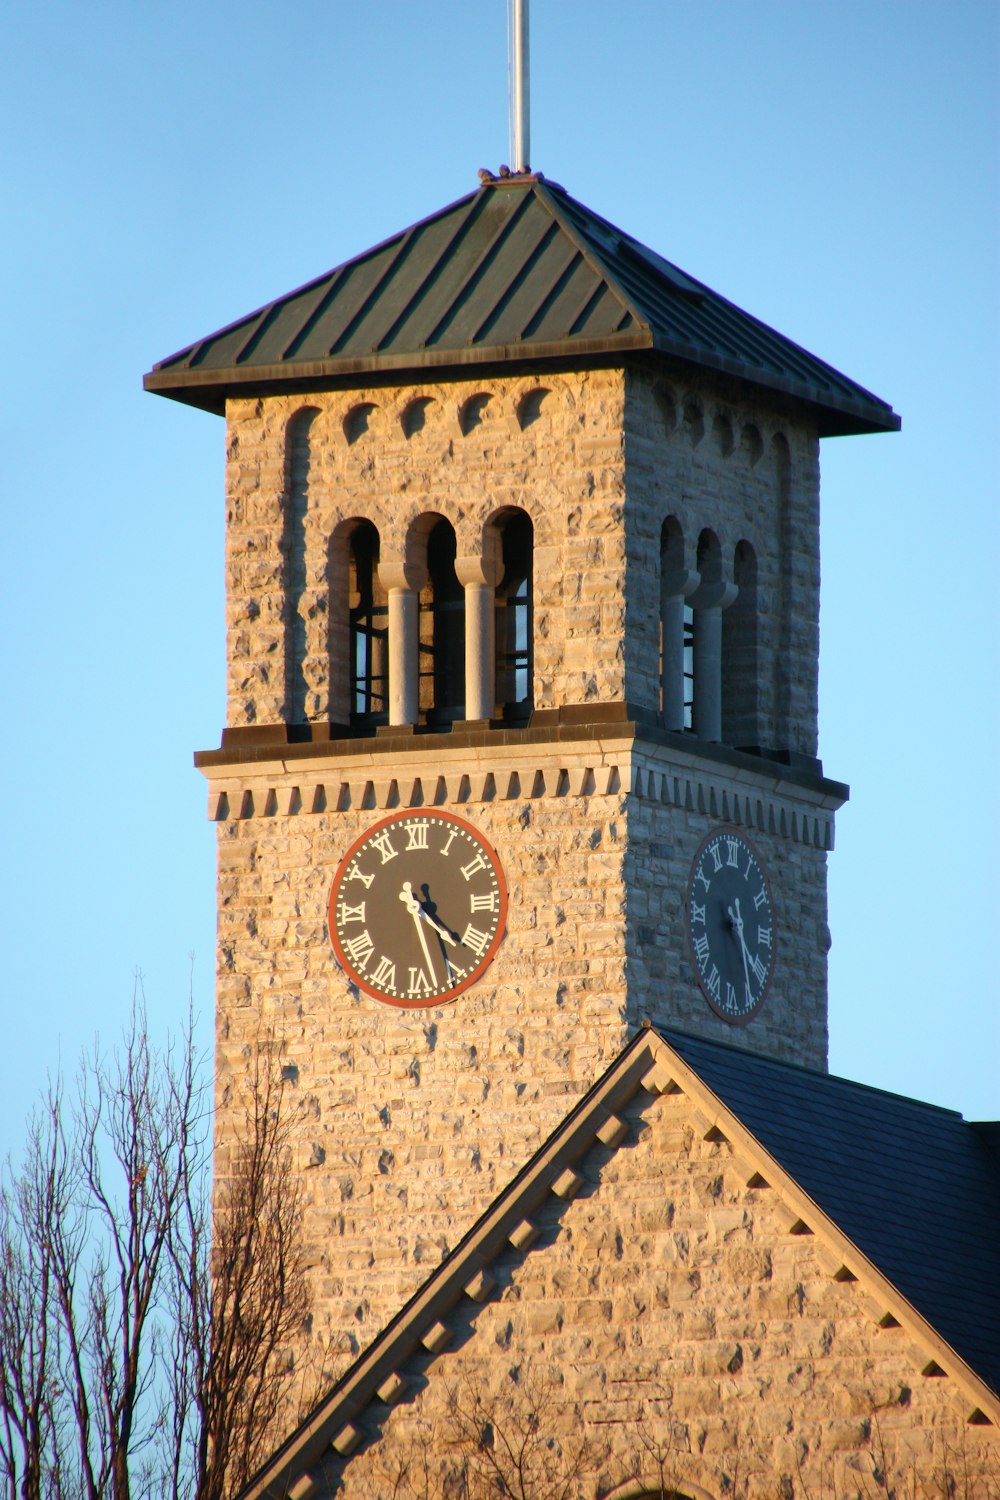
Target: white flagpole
(522, 96)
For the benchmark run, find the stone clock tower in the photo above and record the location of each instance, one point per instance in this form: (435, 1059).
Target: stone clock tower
(522, 549)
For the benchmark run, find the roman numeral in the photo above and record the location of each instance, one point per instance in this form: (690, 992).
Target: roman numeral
(732, 853)
(714, 983)
(419, 983)
(730, 997)
(416, 836)
(470, 869)
(759, 969)
(452, 836)
(483, 903)
(356, 874)
(385, 975)
(700, 875)
(701, 950)
(697, 913)
(384, 846)
(764, 936)
(351, 913)
(759, 899)
(360, 949)
(716, 854)
(476, 940)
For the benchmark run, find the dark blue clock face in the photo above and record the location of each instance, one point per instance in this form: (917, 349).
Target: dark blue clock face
(730, 925)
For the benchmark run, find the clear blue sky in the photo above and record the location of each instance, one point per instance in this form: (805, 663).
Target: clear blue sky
(832, 167)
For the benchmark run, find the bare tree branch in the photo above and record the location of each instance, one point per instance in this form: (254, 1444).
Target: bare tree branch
(140, 1355)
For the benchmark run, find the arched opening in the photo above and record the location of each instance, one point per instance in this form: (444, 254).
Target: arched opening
(368, 631)
(676, 629)
(740, 676)
(442, 632)
(710, 599)
(782, 657)
(514, 626)
(298, 471)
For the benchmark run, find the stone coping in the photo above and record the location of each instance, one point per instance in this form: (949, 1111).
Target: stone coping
(266, 744)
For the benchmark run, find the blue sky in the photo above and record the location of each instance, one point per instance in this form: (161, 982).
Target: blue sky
(832, 167)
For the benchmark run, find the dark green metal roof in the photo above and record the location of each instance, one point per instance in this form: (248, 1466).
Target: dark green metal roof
(516, 273)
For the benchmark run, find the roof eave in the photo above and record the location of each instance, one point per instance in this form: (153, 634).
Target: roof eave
(209, 389)
(838, 416)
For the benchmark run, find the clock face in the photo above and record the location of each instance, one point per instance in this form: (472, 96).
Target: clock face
(730, 925)
(418, 908)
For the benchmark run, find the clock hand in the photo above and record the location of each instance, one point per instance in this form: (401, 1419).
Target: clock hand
(439, 927)
(737, 922)
(413, 906)
(432, 921)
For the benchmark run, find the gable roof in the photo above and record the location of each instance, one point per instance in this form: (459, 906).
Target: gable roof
(844, 1140)
(518, 272)
(913, 1186)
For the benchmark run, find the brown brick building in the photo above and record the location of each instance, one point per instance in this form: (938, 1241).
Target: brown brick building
(522, 859)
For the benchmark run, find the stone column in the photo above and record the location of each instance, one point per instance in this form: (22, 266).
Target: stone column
(708, 602)
(675, 586)
(402, 583)
(479, 577)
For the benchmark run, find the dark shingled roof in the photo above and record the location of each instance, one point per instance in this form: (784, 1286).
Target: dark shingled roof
(915, 1187)
(516, 273)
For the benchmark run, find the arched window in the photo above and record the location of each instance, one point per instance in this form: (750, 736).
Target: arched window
(514, 627)
(676, 629)
(740, 666)
(298, 467)
(369, 631)
(442, 632)
(712, 596)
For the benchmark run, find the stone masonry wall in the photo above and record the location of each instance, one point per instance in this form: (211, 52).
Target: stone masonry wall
(413, 1120)
(792, 1024)
(552, 447)
(669, 1324)
(747, 474)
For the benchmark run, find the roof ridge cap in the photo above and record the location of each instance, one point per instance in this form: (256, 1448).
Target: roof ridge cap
(550, 199)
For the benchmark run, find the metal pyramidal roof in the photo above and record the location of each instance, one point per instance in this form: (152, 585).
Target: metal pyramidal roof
(516, 273)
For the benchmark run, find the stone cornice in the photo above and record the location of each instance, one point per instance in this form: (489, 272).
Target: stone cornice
(596, 760)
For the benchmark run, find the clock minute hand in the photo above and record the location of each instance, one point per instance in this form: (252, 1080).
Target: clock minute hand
(416, 911)
(737, 921)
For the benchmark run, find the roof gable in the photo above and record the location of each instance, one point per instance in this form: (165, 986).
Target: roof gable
(914, 1187)
(649, 1066)
(518, 272)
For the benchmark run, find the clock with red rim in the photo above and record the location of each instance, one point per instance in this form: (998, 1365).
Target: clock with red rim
(418, 908)
(730, 925)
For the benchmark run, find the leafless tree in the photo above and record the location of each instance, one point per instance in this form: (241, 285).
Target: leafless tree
(141, 1348)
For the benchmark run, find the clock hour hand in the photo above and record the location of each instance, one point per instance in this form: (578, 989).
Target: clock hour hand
(431, 920)
(439, 927)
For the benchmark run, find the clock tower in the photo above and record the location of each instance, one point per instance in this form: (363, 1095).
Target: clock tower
(522, 572)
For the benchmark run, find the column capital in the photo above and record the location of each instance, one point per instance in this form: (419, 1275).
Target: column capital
(714, 594)
(396, 571)
(679, 583)
(485, 567)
